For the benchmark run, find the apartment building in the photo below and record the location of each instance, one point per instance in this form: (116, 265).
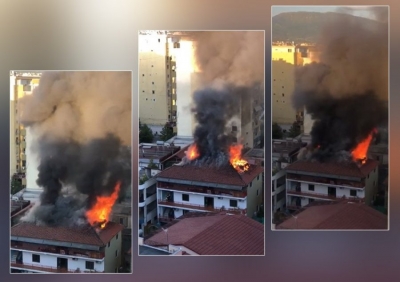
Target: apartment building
(308, 181)
(21, 84)
(185, 188)
(46, 249)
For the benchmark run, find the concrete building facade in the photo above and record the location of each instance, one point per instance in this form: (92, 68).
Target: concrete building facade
(21, 84)
(41, 249)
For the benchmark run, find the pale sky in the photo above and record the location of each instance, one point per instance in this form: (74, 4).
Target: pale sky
(361, 11)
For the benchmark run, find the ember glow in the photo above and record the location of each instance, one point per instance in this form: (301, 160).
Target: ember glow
(192, 152)
(360, 152)
(100, 212)
(235, 153)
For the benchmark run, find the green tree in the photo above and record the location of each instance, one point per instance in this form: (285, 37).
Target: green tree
(294, 130)
(152, 164)
(145, 133)
(166, 133)
(276, 131)
(16, 185)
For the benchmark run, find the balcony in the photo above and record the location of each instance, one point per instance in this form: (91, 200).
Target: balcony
(318, 195)
(202, 190)
(57, 251)
(34, 268)
(198, 207)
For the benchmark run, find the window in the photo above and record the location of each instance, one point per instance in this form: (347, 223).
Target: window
(121, 220)
(153, 91)
(289, 50)
(185, 197)
(258, 177)
(233, 203)
(353, 193)
(108, 245)
(251, 184)
(89, 265)
(234, 128)
(152, 82)
(310, 187)
(142, 74)
(310, 201)
(35, 258)
(158, 39)
(116, 253)
(116, 237)
(257, 192)
(283, 94)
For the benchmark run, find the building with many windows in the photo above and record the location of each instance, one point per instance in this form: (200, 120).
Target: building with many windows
(46, 249)
(185, 188)
(308, 181)
(21, 84)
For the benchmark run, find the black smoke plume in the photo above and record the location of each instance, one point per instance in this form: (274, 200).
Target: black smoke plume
(80, 122)
(217, 112)
(346, 91)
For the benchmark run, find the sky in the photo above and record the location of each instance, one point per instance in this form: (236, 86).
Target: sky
(361, 11)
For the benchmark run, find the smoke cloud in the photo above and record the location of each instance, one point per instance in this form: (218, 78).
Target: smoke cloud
(346, 92)
(232, 57)
(82, 127)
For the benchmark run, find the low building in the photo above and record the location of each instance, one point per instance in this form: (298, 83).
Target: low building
(45, 249)
(155, 154)
(147, 198)
(307, 181)
(211, 234)
(340, 215)
(185, 188)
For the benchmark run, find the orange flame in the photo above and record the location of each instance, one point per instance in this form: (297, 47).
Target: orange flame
(235, 152)
(360, 152)
(192, 152)
(100, 212)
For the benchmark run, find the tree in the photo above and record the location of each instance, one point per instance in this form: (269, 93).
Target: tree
(294, 130)
(16, 185)
(152, 164)
(166, 133)
(276, 131)
(145, 134)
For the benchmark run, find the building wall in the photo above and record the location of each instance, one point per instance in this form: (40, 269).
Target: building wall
(50, 260)
(255, 195)
(20, 85)
(153, 92)
(278, 204)
(283, 112)
(197, 199)
(371, 186)
(111, 261)
(32, 163)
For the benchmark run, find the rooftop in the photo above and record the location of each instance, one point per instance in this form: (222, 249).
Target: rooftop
(156, 152)
(335, 216)
(81, 234)
(152, 251)
(226, 175)
(286, 146)
(255, 153)
(348, 169)
(214, 234)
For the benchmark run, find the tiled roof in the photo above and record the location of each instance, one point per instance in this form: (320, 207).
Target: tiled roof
(179, 155)
(215, 235)
(337, 216)
(81, 235)
(225, 175)
(349, 169)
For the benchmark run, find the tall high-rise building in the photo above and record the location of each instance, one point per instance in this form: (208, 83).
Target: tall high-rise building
(157, 80)
(21, 84)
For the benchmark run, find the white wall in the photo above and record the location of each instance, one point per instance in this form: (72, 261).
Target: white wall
(184, 88)
(50, 260)
(32, 162)
(254, 200)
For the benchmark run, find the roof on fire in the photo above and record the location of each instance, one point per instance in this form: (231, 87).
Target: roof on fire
(81, 235)
(334, 168)
(226, 175)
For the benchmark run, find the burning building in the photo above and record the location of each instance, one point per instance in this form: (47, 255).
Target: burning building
(47, 249)
(80, 124)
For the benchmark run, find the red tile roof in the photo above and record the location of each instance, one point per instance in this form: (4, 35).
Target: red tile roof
(81, 235)
(337, 216)
(225, 175)
(215, 235)
(349, 169)
(179, 155)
